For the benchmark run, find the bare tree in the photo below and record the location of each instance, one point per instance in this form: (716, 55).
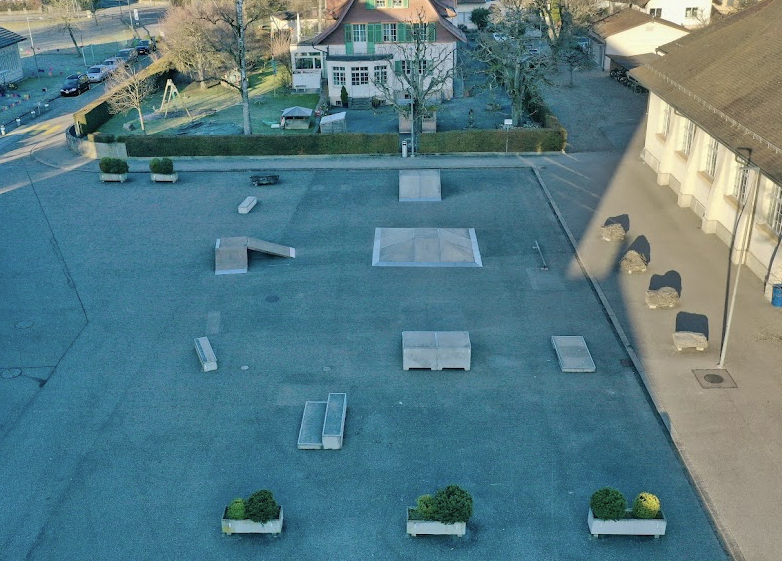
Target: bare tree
(422, 69)
(562, 15)
(65, 13)
(128, 89)
(189, 46)
(279, 51)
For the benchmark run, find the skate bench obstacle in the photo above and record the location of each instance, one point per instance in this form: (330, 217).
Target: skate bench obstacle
(247, 205)
(205, 354)
(323, 423)
(436, 350)
(573, 353)
(231, 253)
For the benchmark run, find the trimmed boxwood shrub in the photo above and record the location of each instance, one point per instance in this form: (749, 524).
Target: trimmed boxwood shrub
(236, 510)
(161, 165)
(449, 505)
(113, 165)
(646, 505)
(261, 507)
(100, 138)
(518, 140)
(608, 504)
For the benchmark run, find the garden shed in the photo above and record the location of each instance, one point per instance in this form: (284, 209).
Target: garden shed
(10, 62)
(331, 124)
(295, 118)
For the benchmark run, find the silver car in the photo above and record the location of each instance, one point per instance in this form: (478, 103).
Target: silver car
(97, 73)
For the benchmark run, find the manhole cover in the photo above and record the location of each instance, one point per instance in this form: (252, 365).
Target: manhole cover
(9, 373)
(25, 324)
(245, 367)
(714, 378)
(272, 298)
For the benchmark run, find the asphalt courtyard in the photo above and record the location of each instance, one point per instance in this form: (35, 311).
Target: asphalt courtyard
(115, 445)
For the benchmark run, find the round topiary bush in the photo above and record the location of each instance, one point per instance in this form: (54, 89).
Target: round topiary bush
(161, 165)
(646, 505)
(451, 504)
(261, 507)
(236, 510)
(113, 165)
(424, 507)
(608, 504)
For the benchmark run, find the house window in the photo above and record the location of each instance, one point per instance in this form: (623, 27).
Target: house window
(775, 210)
(406, 66)
(665, 121)
(359, 32)
(691, 12)
(359, 75)
(743, 178)
(710, 165)
(398, 3)
(688, 133)
(338, 75)
(389, 33)
(380, 3)
(381, 75)
(306, 61)
(656, 12)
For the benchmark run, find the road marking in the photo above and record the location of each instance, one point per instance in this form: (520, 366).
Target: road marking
(213, 323)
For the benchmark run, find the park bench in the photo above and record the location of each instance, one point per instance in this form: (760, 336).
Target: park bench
(205, 354)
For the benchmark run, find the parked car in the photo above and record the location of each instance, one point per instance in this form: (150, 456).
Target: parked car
(75, 84)
(127, 56)
(97, 73)
(145, 46)
(111, 64)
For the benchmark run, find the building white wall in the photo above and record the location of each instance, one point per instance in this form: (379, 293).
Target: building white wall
(637, 41)
(676, 11)
(464, 11)
(713, 197)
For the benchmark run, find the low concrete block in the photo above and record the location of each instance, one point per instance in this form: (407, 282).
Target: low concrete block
(421, 185)
(690, 340)
(613, 232)
(436, 350)
(205, 354)
(247, 205)
(231, 256)
(311, 431)
(573, 353)
(632, 262)
(334, 421)
(665, 297)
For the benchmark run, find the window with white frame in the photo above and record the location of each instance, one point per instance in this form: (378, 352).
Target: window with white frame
(359, 76)
(389, 33)
(338, 75)
(688, 133)
(380, 3)
(710, 164)
(398, 3)
(743, 179)
(774, 218)
(359, 32)
(306, 61)
(665, 120)
(691, 12)
(381, 74)
(656, 12)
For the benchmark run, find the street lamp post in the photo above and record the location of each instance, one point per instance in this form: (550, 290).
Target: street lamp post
(32, 45)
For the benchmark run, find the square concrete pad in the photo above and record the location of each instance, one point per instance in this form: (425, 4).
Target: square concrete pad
(573, 353)
(419, 185)
(426, 247)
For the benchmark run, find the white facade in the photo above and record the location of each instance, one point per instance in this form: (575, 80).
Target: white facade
(464, 11)
(708, 179)
(635, 41)
(689, 13)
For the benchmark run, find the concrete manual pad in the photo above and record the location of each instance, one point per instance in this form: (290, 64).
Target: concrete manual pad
(311, 431)
(231, 253)
(334, 421)
(426, 247)
(573, 353)
(419, 185)
(436, 350)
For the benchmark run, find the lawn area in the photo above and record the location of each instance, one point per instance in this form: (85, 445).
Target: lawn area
(218, 108)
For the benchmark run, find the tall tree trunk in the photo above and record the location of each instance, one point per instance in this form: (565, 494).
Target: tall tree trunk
(243, 67)
(75, 44)
(141, 119)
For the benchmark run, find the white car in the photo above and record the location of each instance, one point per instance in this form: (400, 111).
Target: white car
(110, 64)
(98, 73)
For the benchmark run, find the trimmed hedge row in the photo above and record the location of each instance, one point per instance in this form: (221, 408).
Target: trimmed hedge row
(518, 140)
(90, 117)
(260, 145)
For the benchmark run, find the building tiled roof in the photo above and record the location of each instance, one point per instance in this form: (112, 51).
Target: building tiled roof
(627, 19)
(727, 78)
(8, 37)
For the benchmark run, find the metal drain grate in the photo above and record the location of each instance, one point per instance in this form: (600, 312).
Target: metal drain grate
(714, 378)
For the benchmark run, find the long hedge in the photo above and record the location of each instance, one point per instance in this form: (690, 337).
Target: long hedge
(139, 146)
(90, 117)
(518, 140)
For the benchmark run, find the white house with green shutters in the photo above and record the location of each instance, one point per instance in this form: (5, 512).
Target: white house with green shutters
(367, 45)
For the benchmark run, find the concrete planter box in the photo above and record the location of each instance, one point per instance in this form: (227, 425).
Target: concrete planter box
(164, 177)
(250, 527)
(627, 527)
(113, 177)
(434, 528)
(429, 124)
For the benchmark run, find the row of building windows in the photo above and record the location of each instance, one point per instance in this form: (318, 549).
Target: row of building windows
(359, 75)
(745, 176)
(690, 13)
(389, 32)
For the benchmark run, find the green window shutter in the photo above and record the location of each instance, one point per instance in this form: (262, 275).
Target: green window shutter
(405, 3)
(370, 4)
(431, 32)
(397, 67)
(371, 38)
(401, 32)
(348, 39)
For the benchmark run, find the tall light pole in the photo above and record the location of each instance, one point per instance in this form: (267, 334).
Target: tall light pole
(32, 44)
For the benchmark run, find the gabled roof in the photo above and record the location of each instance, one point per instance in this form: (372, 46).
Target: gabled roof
(727, 78)
(8, 37)
(627, 19)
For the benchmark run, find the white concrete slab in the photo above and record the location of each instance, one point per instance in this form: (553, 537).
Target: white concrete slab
(205, 354)
(426, 247)
(573, 353)
(419, 185)
(436, 350)
(311, 431)
(247, 205)
(334, 421)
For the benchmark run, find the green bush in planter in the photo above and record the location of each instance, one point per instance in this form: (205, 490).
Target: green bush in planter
(236, 510)
(113, 165)
(451, 504)
(608, 504)
(261, 507)
(424, 507)
(161, 165)
(646, 505)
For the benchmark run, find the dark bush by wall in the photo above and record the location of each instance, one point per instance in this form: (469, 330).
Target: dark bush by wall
(260, 145)
(162, 166)
(101, 138)
(518, 140)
